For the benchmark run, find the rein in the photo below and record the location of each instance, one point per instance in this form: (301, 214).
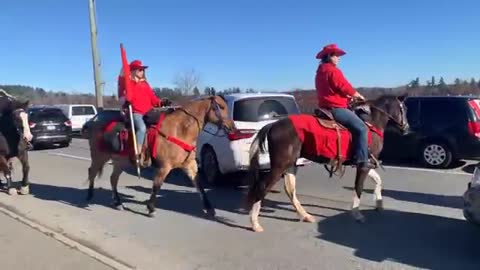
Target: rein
(213, 105)
(400, 125)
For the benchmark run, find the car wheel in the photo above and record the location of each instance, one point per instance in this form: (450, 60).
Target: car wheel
(436, 155)
(209, 167)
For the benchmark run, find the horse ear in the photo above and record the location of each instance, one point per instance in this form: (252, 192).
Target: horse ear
(403, 97)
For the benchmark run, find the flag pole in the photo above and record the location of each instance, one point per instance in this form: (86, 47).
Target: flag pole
(126, 74)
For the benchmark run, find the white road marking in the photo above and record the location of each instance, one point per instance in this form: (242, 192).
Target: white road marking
(426, 170)
(72, 156)
(68, 156)
(386, 167)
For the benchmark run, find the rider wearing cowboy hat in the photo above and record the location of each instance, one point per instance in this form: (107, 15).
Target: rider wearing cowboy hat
(334, 92)
(141, 97)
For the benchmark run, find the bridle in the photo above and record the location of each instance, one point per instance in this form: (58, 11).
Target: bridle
(216, 108)
(402, 124)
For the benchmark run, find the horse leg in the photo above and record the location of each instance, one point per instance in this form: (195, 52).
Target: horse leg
(114, 177)
(272, 178)
(359, 181)
(95, 169)
(160, 176)
(192, 171)
(289, 186)
(6, 167)
(378, 188)
(25, 189)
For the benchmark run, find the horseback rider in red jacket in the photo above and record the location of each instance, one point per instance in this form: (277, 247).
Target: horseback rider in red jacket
(141, 97)
(334, 93)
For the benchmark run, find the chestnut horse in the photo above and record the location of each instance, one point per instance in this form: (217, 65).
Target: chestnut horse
(185, 124)
(285, 148)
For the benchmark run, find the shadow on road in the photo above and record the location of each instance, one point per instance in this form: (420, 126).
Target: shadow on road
(74, 196)
(419, 240)
(179, 178)
(405, 163)
(430, 199)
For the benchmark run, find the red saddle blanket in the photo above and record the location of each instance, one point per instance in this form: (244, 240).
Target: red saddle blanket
(116, 138)
(318, 140)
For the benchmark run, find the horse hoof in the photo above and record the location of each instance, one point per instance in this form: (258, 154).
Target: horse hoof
(151, 214)
(25, 190)
(12, 191)
(119, 206)
(308, 218)
(210, 212)
(257, 228)
(359, 217)
(379, 205)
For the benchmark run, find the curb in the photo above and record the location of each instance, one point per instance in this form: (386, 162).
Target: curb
(65, 240)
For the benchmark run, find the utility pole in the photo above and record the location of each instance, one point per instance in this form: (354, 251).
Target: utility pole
(96, 61)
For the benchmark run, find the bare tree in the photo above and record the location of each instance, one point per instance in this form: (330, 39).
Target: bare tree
(186, 81)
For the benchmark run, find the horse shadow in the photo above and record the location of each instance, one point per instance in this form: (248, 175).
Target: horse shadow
(178, 177)
(188, 202)
(423, 198)
(74, 196)
(419, 240)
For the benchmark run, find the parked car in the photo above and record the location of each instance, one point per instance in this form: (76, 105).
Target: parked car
(79, 114)
(444, 129)
(49, 125)
(219, 154)
(104, 116)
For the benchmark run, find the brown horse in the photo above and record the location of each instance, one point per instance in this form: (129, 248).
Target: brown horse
(14, 140)
(185, 124)
(285, 147)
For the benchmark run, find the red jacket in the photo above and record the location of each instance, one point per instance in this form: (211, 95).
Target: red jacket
(333, 90)
(141, 96)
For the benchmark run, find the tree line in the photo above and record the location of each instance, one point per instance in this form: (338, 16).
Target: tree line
(306, 98)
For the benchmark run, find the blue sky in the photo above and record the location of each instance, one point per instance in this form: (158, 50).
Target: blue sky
(263, 44)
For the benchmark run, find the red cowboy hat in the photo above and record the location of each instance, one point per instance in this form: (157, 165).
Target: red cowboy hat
(137, 64)
(330, 49)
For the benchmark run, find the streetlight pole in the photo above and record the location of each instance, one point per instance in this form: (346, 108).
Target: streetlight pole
(96, 61)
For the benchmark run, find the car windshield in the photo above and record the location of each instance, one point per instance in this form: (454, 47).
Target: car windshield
(82, 110)
(46, 114)
(263, 108)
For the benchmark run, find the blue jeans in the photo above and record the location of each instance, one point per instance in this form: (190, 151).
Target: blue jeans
(140, 128)
(358, 129)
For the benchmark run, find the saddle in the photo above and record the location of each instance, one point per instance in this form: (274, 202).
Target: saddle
(325, 118)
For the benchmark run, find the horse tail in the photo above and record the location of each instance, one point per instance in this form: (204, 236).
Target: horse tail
(257, 185)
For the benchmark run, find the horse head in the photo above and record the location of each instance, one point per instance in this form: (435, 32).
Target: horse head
(389, 108)
(217, 113)
(16, 111)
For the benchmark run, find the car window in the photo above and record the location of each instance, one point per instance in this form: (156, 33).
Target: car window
(263, 108)
(82, 110)
(46, 114)
(413, 112)
(442, 113)
(107, 116)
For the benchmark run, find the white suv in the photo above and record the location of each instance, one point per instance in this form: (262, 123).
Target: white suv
(219, 154)
(78, 114)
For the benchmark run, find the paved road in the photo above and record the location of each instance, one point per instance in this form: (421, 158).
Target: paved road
(423, 226)
(23, 248)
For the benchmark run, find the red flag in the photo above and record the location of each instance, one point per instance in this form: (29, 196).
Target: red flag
(126, 73)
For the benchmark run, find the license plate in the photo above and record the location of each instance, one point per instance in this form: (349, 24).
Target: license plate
(50, 127)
